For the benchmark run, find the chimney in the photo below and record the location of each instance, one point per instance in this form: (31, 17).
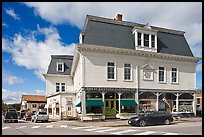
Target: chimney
(119, 17)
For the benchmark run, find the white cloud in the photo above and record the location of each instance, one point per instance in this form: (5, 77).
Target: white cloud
(199, 67)
(5, 25)
(34, 54)
(184, 16)
(10, 79)
(12, 14)
(11, 97)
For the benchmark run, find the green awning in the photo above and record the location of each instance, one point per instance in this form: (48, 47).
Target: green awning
(92, 103)
(79, 104)
(128, 103)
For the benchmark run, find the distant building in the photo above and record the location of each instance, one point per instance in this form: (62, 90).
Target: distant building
(33, 103)
(199, 101)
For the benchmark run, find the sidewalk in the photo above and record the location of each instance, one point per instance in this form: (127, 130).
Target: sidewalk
(117, 122)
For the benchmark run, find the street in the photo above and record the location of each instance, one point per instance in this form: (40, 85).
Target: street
(67, 128)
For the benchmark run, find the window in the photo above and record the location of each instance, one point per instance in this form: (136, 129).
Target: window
(162, 74)
(60, 67)
(139, 35)
(34, 105)
(174, 75)
(153, 41)
(127, 72)
(146, 40)
(57, 108)
(57, 87)
(60, 87)
(63, 87)
(111, 71)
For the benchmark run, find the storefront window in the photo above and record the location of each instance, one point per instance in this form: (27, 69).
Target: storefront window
(128, 109)
(111, 95)
(93, 95)
(185, 106)
(147, 95)
(95, 110)
(147, 105)
(128, 95)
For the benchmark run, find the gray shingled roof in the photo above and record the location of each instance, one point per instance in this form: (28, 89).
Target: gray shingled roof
(108, 32)
(67, 59)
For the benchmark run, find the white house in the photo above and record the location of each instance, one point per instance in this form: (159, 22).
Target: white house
(120, 68)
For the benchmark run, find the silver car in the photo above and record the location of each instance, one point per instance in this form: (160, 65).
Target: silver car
(40, 116)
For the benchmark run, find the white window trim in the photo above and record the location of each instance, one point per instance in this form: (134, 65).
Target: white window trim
(62, 63)
(64, 87)
(60, 87)
(162, 82)
(177, 76)
(115, 72)
(142, 47)
(131, 73)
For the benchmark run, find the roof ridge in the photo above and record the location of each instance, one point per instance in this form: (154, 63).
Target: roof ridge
(132, 24)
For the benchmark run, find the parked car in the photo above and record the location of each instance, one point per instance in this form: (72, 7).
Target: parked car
(21, 114)
(10, 116)
(40, 116)
(12, 110)
(28, 116)
(151, 118)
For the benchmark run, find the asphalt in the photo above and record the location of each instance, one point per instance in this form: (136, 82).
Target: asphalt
(115, 122)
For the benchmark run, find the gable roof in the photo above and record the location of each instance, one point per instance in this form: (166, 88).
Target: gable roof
(112, 33)
(66, 59)
(34, 98)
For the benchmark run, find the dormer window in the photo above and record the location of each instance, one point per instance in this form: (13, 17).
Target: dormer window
(145, 38)
(153, 41)
(60, 67)
(139, 39)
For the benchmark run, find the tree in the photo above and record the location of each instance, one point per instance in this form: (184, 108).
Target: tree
(4, 106)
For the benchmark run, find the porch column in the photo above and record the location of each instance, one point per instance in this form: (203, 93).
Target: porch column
(177, 101)
(83, 102)
(137, 100)
(119, 96)
(103, 98)
(194, 104)
(157, 103)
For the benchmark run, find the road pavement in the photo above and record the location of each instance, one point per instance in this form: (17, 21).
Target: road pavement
(191, 126)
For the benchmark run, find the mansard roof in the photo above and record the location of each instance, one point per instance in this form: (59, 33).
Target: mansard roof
(66, 59)
(113, 33)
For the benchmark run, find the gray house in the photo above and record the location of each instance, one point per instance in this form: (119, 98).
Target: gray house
(120, 68)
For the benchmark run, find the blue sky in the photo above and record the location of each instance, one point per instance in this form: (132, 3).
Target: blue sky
(31, 32)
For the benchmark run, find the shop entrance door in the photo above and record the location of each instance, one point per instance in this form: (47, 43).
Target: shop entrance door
(110, 108)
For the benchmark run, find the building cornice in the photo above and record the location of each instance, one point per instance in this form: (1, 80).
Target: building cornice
(104, 49)
(55, 75)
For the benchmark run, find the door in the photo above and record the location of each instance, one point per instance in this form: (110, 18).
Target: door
(110, 108)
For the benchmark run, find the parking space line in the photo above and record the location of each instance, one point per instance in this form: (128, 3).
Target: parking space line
(81, 127)
(51, 126)
(65, 126)
(5, 127)
(35, 127)
(121, 132)
(106, 130)
(146, 133)
(21, 127)
(171, 134)
(96, 128)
